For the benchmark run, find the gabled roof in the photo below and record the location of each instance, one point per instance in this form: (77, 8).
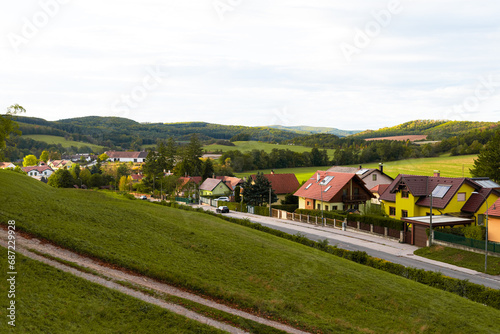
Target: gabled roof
(39, 169)
(126, 155)
(494, 210)
(183, 180)
(210, 184)
(360, 171)
(326, 191)
(379, 189)
(476, 200)
(230, 181)
(282, 183)
(6, 165)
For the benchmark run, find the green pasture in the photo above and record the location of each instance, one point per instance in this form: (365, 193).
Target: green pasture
(49, 300)
(247, 146)
(246, 268)
(55, 140)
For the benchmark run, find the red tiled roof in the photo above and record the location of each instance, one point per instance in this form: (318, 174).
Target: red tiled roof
(40, 169)
(312, 188)
(5, 164)
(137, 177)
(185, 179)
(379, 188)
(282, 183)
(230, 181)
(494, 210)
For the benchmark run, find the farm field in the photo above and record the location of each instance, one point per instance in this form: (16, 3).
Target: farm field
(247, 146)
(49, 300)
(449, 166)
(254, 270)
(55, 140)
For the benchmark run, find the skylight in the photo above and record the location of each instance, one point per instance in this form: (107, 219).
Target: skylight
(326, 180)
(487, 183)
(310, 184)
(327, 188)
(362, 171)
(440, 190)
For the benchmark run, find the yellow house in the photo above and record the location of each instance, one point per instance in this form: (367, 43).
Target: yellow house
(410, 196)
(494, 222)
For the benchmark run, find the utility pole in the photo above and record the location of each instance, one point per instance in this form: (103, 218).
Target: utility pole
(430, 225)
(270, 210)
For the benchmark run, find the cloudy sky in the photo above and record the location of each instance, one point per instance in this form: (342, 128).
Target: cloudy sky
(345, 64)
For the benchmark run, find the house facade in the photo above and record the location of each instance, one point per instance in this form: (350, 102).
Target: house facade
(410, 196)
(214, 188)
(494, 222)
(188, 186)
(38, 172)
(122, 156)
(57, 164)
(333, 191)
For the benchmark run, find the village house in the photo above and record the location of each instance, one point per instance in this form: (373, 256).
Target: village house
(4, 165)
(494, 222)
(188, 186)
(57, 164)
(37, 172)
(282, 184)
(333, 191)
(123, 156)
(212, 188)
(372, 177)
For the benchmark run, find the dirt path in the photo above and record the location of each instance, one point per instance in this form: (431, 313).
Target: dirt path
(23, 244)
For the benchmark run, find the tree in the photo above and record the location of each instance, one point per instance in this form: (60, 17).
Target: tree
(103, 157)
(237, 194)
(44, 156)
(207, 169)
(191, 163)
(488, 161)
(85, 176)
(75, 171)
(8, 126)
(30, 160)
(125, 183)
(170, 154)
(256, 191)
(61, 178)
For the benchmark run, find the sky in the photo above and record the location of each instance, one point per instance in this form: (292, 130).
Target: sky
(352, 65)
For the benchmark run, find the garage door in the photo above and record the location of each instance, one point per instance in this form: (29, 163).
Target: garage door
(420, 235)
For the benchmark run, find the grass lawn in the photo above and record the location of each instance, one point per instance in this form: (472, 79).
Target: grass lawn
(254, 270)
(247, 146)
(49, 300)
(65, 143)
(461, 258)
(456, 166)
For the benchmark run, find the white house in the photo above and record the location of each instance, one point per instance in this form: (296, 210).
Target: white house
(38, 172)
(4, 165)
(121, 156)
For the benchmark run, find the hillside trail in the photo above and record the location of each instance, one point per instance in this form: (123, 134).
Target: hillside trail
(108, 277)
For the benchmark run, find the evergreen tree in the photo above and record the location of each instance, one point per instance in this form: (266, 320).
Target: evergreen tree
(488, 161)
(207, 169)
(61, 178)
(256, 192)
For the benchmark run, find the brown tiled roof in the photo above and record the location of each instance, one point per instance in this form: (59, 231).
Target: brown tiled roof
(476, 200)
(126, 155)
(312, 188)
(282, 183)
(494, 210)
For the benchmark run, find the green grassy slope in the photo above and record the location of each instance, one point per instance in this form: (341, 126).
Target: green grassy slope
(244, 267)
(51, 301)
(65, 143)
(247, 146)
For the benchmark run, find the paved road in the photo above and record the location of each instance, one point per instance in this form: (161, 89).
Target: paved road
(373, 245)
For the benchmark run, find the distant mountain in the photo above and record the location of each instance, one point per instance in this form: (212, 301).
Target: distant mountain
(309, 130)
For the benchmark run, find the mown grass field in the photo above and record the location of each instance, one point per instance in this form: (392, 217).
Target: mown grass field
(275, 277)
(55, 140)
(51, 301)
(247, 146)
(456, 166)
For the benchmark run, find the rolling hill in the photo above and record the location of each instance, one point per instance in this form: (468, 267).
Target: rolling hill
(256, 271)
(308, 130)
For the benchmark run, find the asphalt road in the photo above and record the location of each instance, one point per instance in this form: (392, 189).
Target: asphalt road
(374, 246)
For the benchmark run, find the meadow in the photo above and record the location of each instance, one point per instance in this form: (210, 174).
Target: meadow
(247, 146)
(49, 300)
(249, 269)
(449, 166)
(56, 140)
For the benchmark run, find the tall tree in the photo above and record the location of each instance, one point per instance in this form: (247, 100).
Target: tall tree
(30, 160)
(8, 126)
(207, 169)
(44, 156)
(256, 191)
(191, 163)
(170, 154)
(488, 160)
(61, 178)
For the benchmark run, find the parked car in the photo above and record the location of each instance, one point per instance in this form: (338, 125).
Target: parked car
(222, 209)
(225, 199)
(144, 197)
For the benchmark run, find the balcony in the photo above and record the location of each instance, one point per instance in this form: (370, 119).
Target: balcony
(353, 199)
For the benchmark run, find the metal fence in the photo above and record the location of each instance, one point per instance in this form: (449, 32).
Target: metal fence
(458, 239)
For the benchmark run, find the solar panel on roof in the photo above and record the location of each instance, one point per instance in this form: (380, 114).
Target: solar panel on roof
(487, 184)
(326, 180)
(440, 190)
(362, 171)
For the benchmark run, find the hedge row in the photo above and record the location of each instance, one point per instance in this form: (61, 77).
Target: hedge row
(367, 219)
(286, 207)
(463, 288)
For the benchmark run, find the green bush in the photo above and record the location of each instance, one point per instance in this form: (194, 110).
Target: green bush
(286, 207)
(475, 232)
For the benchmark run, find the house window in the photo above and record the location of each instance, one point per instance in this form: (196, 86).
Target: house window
(374, 177)
(135, 160)
(480, 220)
(461, 197)
(404, 213)
(326, 207)
(308, 203)
(334, 208)
(319, 206)
(404, 193)
(392, 211)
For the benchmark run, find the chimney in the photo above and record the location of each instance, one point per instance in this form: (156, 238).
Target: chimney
(381, 167)
(437, 173)
(272, 171)
(360, 167)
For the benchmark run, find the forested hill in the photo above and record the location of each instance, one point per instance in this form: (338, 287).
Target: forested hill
(435, 129)
(309, 130)
(125, 133)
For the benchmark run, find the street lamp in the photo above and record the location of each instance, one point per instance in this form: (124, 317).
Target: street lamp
(486, 240)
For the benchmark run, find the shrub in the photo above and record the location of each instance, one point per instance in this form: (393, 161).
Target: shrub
(475, 232)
